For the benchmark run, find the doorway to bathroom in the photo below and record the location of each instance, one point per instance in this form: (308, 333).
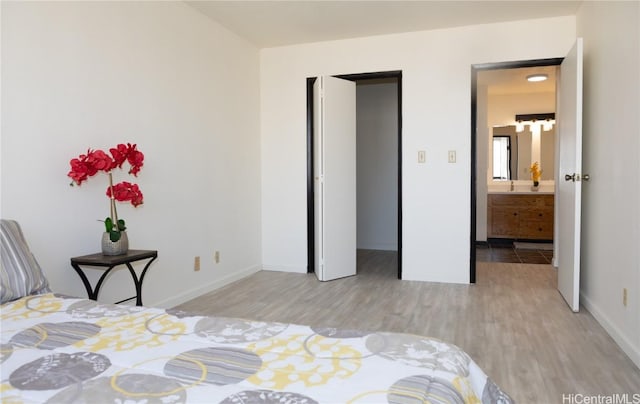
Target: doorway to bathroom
(511, 221)
(568, 176)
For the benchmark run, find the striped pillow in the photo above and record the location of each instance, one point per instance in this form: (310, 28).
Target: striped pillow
(20, 274)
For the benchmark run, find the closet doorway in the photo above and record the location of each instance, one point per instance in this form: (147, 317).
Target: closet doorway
(378, 162)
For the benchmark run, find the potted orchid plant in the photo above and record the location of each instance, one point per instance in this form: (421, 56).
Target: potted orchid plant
(95, 161)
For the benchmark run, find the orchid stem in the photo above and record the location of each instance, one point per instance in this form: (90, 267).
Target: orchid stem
(114, 212)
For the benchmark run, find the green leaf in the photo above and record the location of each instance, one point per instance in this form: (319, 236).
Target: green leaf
(121, 226)
(114, 235)
(108, 224)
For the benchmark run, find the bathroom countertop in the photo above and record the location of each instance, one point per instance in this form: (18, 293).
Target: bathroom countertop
(521, 192)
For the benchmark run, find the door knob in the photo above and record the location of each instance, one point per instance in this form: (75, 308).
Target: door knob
(576, 177)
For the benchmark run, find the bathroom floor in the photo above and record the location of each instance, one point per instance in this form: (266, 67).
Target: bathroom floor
(505, 251)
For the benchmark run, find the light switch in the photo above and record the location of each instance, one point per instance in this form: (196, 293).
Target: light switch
(452, 156)
(422, 156)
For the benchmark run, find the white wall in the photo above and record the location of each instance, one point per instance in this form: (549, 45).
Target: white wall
(547, 153)
(525, 154)
(377, 165)
(436, 68)
(503, 108)
(611, 145)
(77, 75)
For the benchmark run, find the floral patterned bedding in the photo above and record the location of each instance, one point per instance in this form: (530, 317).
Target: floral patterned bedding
(64, 350)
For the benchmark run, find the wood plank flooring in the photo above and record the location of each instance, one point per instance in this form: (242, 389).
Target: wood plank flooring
(512, 322)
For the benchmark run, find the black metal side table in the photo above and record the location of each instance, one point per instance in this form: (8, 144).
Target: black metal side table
(109, 262)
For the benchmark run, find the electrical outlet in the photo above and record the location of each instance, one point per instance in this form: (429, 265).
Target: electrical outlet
(216, 257)
(624, 297)
(196, 263)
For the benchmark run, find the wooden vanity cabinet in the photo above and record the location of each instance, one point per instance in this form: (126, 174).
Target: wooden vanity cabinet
(520, 216)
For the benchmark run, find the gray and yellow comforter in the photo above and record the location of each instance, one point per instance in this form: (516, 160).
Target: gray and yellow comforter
(65, 350)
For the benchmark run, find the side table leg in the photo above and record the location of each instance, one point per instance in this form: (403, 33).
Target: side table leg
(90, 293)
(138, 282)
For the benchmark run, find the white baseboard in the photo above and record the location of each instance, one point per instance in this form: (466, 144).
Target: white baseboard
(633, 352)
(284, 268)
(201, 290)
(378, 246)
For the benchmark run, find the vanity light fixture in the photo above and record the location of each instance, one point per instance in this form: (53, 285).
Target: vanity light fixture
(537, 77)
(546, 120)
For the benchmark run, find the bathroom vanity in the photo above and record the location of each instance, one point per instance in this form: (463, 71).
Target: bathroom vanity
(520, 215)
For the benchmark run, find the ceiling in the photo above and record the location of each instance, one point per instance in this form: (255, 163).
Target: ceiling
(514, 81)
(287, 22)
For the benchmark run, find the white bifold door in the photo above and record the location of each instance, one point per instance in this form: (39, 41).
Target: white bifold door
(334, 164)
(569, 183)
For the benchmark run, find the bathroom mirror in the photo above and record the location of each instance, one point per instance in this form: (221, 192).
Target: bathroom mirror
(513, 153)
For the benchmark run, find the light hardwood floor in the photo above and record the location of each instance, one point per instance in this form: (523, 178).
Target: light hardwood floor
(512, 322)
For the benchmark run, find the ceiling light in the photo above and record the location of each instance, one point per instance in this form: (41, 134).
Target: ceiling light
(519, 126)
(537, 77)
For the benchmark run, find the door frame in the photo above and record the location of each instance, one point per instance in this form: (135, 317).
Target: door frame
(396, 74)
(475, 69)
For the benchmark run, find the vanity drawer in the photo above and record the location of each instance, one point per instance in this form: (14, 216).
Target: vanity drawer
(537, 215)
(517, 201)
(504, 222)
(536, 230)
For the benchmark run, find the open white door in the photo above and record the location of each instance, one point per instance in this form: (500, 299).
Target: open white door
(569, 185)
(335, 178)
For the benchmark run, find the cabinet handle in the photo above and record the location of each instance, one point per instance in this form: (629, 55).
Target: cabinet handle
(540, 214)
(515, 214)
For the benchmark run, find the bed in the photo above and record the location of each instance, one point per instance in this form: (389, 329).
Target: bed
(60, 349)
